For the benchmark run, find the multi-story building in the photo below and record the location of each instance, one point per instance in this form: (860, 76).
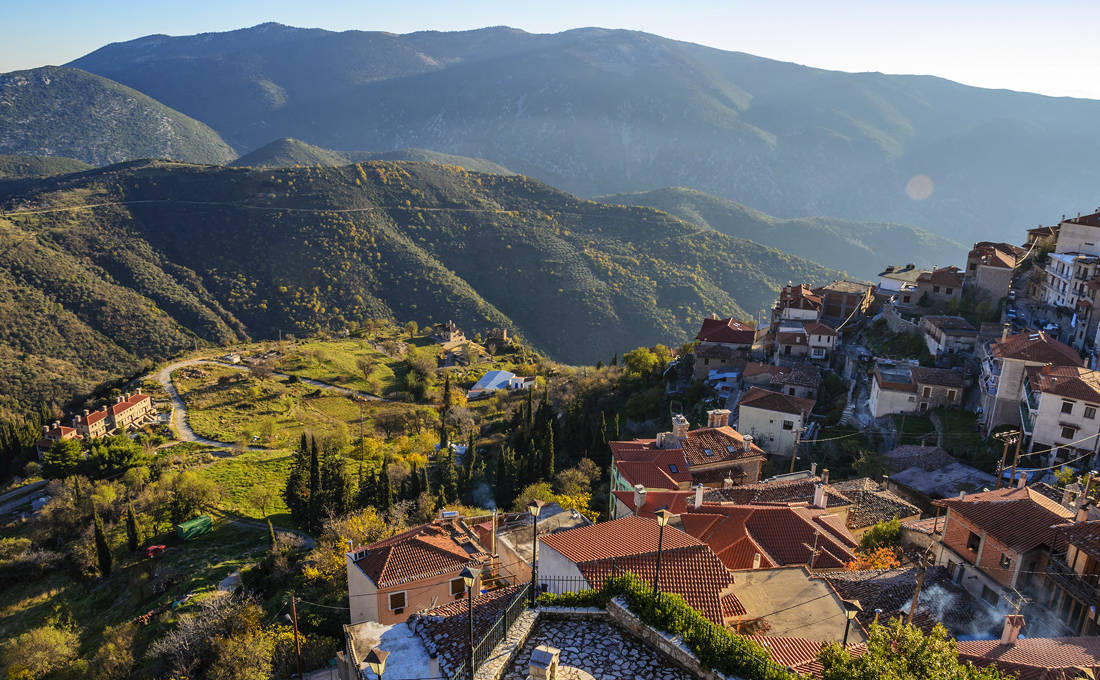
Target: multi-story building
(804, 339)
(841, 299)
(996, 542)
(722, 344)
(796, 303)
(948, 334)
(1067, 278)
(1003, 370)
(1079, 234)
(774, 420)
(54, 433)
(939, 286)
(913, 389)
(989, 268)
(129, 410)
(1058, 411)
(677, 459)
(416, 569)
(899, 283)
(1073, 574)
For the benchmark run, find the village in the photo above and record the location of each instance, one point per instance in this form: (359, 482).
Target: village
(973, 390)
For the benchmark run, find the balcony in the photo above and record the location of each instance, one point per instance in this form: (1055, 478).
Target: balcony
(1025, 418)
(1030, 397)
(1073, 583)
(989, 383)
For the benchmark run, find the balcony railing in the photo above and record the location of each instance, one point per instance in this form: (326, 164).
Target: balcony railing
(1032, 399)
(1073, 583)
(1025, 418)
(989, 384)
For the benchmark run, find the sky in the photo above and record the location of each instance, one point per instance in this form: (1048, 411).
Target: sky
(1026, 45)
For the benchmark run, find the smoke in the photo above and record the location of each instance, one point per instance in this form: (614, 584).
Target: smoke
(482, 496)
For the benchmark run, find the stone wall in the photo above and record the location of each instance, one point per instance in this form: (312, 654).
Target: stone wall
(896, 323)
(671, 647)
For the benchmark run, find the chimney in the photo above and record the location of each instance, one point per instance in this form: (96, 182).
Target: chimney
(962, 495)
(886, 482)
(1070, 494)
(679, 427)
(756, 560)
(85, 413)
(45, 429)
(1022, 481)
(819, 496)
(713, 316)
(719, 417)
(1082, 513)
(727, 483)
(813, 469)
(825, 476)
(698, 496)
(1004, 331)
(1013, 624)
(639, 498)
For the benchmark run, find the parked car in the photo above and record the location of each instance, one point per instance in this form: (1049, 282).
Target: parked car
(1012, 295)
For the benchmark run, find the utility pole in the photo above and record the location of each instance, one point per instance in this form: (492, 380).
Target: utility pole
(916, 593)
(794, 454)
(1016, 458)
(1006, 437)
(297, 644)
(813, 549)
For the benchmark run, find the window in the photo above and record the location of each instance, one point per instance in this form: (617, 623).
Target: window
(1006, 561)
(1067, 406)
(790, 391)
(788, 424)
(708, 452)
(973, 542)
(950, 290)
(950, 395)
(927, 392)
(935, 289)
(730, 449)
(1090, 412)
(397, 602)
(1068, 432)
(458, 588)
(905, 298)
(673, 469)
(990, 597)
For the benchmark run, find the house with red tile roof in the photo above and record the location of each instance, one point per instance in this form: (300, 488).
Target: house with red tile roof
(804, 339)
(798, 380)
(585, 557)
(1003, 370)
(54, 433)
(676, 459)
(989, 268)
(796, 303)
(1035, 658)
(127, 412)
(901, 388)
(722, 344)
(997, 541)
(773, 419)
(1059, 410)
(940, 286)
(92, 425)
(1073, 570)
(412, 571)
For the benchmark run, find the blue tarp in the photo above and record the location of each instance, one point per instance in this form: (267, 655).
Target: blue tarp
(493, 380)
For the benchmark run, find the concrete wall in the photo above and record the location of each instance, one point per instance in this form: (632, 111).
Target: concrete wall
(1048, 423)
(362, 594)
(1078, 238)
(552, 564)
(993, 282)
(766, 427)
(885, 402)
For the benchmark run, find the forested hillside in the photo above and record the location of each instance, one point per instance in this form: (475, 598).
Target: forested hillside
(19, 167)
(288, 152)
(185, 251)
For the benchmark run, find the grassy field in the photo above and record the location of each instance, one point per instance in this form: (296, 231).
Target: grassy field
(337, 362)
(245, 477)
(912, 428)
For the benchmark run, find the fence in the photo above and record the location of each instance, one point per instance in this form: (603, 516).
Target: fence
(495, 634)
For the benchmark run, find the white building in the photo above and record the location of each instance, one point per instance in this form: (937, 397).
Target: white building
(1003, 365)
(773, 419)
(1059, 408)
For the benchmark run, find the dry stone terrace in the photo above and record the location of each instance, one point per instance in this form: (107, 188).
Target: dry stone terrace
(594, 650)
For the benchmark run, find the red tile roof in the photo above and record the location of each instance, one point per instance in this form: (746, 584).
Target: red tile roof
(675, 501)
(693, 572)
(650, 474)
(1000, 255)
(1074, 382)
(799, 490)
(818, 328)
(950, 277)
(620, 538)
(1092, 220)
(789, 651)
(422, 552)
(1019, 518)
(780, 534)
(729, 331)
(703, 446)
(1036, 347)
(775, 401)
(1084, 535)
(1036, 658)
(790, 338)
(943, 377)
(127, 404)
(798, 297)
(94, 417)
(929, 525)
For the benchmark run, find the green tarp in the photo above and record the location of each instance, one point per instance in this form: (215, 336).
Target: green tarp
(193, 527)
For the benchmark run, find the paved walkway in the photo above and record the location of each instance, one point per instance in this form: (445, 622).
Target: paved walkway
(179, 408)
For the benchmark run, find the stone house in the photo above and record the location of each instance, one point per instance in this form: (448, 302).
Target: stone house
(948, 335)
(939, 286)
(1003, 369)
(798, 380)
(448, 332)
(841, 299)
(414, 570)
(796, 303)
(914, 389)
(989, 268)
(722, 344)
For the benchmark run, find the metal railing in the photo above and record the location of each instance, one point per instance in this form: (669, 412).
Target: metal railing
(495, 634)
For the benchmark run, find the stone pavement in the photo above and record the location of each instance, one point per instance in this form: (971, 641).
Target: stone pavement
(594, 650)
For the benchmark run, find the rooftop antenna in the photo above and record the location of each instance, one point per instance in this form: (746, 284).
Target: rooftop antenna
(671, 411)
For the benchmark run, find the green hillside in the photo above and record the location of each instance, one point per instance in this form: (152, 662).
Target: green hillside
(288, 153)
(597, 111)
(60, 111)
(860, 248)
(18, 167)
(218, 253)
(428, 156)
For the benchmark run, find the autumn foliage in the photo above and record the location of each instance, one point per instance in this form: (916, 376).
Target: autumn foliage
(877, 558)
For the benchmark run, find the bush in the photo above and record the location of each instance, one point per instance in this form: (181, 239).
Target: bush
(883, 534)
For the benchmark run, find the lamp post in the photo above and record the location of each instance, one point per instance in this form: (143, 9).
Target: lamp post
(534, 507)
(851, 608)
(470, 578)
(663, 516)
(376, 661)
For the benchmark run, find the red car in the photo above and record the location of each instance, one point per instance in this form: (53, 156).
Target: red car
(154, 550)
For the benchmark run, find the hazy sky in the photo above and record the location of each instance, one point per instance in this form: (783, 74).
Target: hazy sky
(1046, 47)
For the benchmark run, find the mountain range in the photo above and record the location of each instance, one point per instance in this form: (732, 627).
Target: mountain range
(597, 111)
(170, 254)
(289, 152)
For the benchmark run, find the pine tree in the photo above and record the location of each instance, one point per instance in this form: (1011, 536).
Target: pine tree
(529, 412)
(271, 531)
(133, 538)
(102, 550)
(315, 500)
(296, 491)
(615, 359)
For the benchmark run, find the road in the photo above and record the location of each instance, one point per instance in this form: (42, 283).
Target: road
(179, 408)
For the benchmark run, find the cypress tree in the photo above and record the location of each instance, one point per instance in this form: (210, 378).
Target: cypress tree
(618, 427)
(296, 491)
(505, 477)
(448, 478)
(368, 489)
(133, 538)
(102, 550)
(548, 454)
(271, 531)
(334, 487)
(529, 412)
(385, 491)
(314, 519)
(445, 412)
(615, 359)
(425, 483)
(601, 445)
(414, 484)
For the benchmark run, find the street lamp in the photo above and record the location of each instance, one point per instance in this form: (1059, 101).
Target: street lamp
(470, 578)
(534, 507)
(851, 608)
(376, 661)
(663, 516)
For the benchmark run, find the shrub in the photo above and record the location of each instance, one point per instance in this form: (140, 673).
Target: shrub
(886, 533)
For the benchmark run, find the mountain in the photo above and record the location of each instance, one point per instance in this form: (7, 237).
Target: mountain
(19, 167)
(175, 252)
(599, 111)
(860, 248)
(288, 152)
(58, 111)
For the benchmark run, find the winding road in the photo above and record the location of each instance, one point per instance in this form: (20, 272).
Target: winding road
(179, 408)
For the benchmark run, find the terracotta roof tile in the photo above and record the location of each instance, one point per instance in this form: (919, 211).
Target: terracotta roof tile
(1074, 382)
(1084, 535)
(127, 404)
(1019, 518)
(1035, 347)
(443, 629)
(872, 504)
(619, 538)
(724, 443)
(891, 590)
(929, 525)
(768, 400)
(693, 572)
(944, 377)
(818, 328)
(729, 331)
(780, 491)
(1036, 658)
(650, 474)
(675, 501)
(422, 552)
(950, 277)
